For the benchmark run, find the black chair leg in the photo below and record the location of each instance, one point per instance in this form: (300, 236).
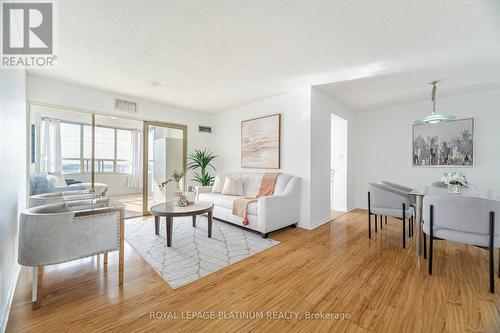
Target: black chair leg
(380, 222)
(369, 218)
(431, 239)
(499, 263)
(369, 225)
(404, 223)
(386, 219)
(425, 246)
(375, 222)
(491, 252)
(409, 228)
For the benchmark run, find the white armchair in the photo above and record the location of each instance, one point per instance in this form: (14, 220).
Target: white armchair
(389, 201)
(62, 232)
(462, 219)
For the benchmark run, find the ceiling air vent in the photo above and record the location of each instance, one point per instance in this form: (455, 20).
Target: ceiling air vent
(122, 105)
(205, 129)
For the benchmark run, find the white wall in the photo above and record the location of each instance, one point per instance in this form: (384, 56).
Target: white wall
(13, 192)
(339, 163)
(384, 141)
(57, 93)
(295, 139)
(323, 106)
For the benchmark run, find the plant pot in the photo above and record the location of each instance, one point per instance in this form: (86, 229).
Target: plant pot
(454, 189)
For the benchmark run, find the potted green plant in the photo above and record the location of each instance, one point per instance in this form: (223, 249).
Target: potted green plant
(202, 159)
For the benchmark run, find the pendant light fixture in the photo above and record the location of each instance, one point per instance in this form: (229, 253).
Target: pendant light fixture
(434, 118)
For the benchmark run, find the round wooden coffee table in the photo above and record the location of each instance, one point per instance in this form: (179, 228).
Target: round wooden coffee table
(171, 210)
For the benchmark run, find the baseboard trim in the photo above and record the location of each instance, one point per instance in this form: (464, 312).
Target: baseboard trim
(4, 316)
(320, 223)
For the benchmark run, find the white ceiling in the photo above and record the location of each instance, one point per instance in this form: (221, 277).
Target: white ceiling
(217, 55)
(409, 87)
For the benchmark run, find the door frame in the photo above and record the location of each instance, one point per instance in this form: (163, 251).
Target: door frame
(145, 152)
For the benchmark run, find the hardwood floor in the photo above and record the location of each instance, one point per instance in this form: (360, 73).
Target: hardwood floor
(336, 214)
(334, 268)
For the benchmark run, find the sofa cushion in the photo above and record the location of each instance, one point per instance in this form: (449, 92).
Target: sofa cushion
(218, 184)
(59, 179)
(232, 186)
(251, 182)
(226, 201)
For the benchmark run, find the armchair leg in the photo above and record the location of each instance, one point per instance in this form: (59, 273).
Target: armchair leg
(105, 258)
(499, 263)
(121, 259)
(425, 246)
(264, 234)
(491, 252)
(36, 297)
(431, 238)
(386, 219)
(294, 225)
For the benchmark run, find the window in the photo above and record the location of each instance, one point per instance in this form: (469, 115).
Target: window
(123, 151)
(70, 147)
(112, 149)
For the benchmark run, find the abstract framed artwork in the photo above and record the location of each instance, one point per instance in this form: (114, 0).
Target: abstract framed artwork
(444, 144)
(261, 142)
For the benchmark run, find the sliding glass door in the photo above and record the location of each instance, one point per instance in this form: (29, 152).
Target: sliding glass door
(165, 153)
(118, 162)
(78, 150)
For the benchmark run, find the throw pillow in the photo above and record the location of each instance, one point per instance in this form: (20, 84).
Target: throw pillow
(218, 184)
(60, 182)
(233, 186)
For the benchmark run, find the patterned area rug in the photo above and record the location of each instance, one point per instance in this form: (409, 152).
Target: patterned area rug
(192, 254)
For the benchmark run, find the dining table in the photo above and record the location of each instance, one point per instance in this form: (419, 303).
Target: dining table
(439, 188)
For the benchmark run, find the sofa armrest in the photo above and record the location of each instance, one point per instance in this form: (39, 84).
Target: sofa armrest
(281, 210)
(202, 189)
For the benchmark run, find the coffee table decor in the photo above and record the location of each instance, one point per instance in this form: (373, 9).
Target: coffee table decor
(192, 255)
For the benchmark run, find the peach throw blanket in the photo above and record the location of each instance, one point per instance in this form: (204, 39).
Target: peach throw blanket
(240, 205)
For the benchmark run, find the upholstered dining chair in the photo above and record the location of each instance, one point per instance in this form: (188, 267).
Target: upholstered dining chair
(61, 232)
(397, 186)
(407, 190)
(462, 219)
(388, 201)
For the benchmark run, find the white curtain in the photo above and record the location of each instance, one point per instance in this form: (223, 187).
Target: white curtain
(50, 146)
(135, 177)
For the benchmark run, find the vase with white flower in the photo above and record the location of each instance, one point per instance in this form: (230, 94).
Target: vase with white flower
(455, 181)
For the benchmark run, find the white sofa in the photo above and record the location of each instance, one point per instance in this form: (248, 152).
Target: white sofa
(269, 213)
